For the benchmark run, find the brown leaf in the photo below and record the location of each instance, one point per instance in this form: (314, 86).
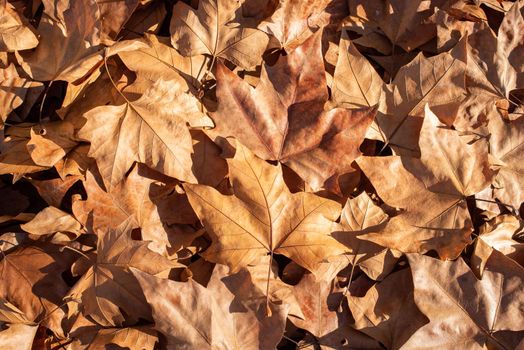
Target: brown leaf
(294, 22)
(148, 205)
(506, 145)
(360, 216)
(54, 190)
(224, 315)
(108, 286)
(320, 302)
(449, 170)
(31, 280)
(18, 336)
(388, 312)
(355, 82)
(289, 102)
(136, 338)
(151, 130)
(113, 16)
(463, 309)
(215, 30)
(263, 217)
(53, 220)
(15, 32)
(68, 37)
(13, 91)
(438, 81)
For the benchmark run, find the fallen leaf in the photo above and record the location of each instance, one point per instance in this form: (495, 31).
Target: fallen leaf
(216, 30)
(463, 309)
(289, 102)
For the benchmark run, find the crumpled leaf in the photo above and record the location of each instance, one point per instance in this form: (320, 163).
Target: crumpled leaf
(108, 286)
(15, 33)
(69, 35)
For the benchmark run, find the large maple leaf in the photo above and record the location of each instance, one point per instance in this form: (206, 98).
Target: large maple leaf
(284, 117)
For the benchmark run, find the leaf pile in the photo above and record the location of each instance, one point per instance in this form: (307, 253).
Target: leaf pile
(261, 174)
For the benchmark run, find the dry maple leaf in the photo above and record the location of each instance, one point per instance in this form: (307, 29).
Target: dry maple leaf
(320, 303)
(220, 316)
(138, 338)
(31, 280)
(465, 310)
(13, 91)
(216, 29)
(388, 311)
(506, 144)
(15, 32)
(504, 233)
(360, 215)
(438, 81)
(284, 117)
(68, 37)
(135, 197)
(294, 22)
(113, 16)
(151, 130)
(263, 217)
(355, 82)
(108, 287)
(268, 217)
(18, 336)
(52, 220)
(449, 171)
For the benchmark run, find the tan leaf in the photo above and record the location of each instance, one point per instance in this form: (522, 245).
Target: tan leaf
(113, 16)
(294, 22)
(506, 144)
(388, 312)
(222, 316)
(51, 142)
(15, 32)
(18, 336)
(151, 130)
(15, 157)
(135, 197)
(263, 217)
(502, 234)
(214, 29)
(53, 191)
(160, 57)
(53, 220)
(68, 37)
(428, 221)
(320, 302)
(31, 280)
(13, 90)
(355, 83)
(463, 309)
(359, 216)
(135, 338)
(108, 286)
(449, 170)
(438, 81)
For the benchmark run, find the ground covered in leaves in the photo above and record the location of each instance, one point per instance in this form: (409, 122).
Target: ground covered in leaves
(261, 174)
